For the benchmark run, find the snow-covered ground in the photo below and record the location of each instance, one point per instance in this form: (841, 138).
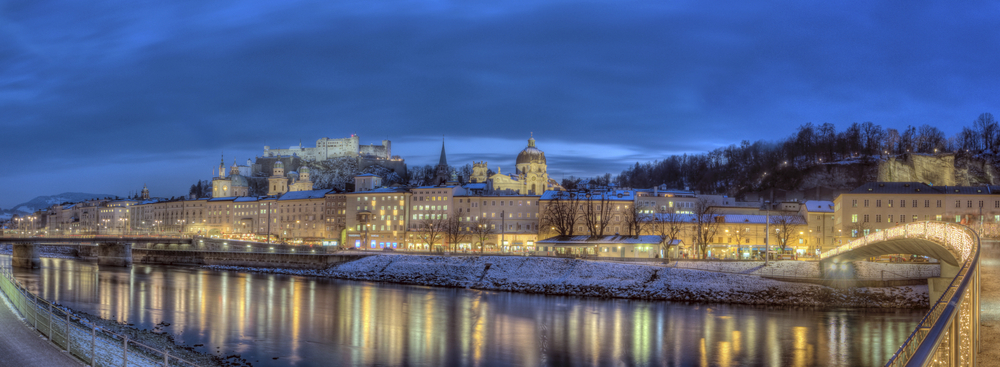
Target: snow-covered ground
(605, 279)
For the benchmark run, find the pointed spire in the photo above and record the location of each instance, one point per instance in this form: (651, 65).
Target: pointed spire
(443, 161)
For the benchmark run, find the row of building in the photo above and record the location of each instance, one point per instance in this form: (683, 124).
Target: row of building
(511, 213)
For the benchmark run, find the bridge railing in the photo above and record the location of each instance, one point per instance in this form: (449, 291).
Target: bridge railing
(90, 343)
(948, 335)
(956, 238)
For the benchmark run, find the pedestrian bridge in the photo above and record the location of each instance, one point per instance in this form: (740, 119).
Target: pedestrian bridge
(949, 333)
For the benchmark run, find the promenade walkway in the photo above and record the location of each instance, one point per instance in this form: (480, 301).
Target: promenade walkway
(989, 334)
(22, 346)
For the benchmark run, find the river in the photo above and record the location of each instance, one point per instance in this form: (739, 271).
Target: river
(276, 320)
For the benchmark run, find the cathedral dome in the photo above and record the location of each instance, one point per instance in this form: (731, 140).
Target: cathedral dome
(304, 169)
(239, 180)
(278, 164)
(531, 154)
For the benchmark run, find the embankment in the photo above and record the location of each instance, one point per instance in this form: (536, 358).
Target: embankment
(601, 279)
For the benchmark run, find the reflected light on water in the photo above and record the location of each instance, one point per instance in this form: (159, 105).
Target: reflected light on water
(311, 322)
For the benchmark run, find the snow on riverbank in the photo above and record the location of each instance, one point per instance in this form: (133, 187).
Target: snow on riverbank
(604, 279)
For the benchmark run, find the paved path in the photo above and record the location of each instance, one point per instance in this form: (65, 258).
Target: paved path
(22, 346)
(989, 304)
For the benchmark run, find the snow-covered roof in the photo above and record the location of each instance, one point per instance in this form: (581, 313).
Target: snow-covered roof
(243, 199)
(819, 206)
(227, 198)
(601, 240)
(476, 186)
(298, 195)
(367, 175)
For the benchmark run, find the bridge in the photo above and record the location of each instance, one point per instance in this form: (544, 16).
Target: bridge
(121, 251)
(949, 333)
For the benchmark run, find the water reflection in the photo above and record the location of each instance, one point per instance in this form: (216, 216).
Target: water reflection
(307, 322)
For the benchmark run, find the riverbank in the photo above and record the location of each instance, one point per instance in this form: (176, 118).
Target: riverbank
(571, 277)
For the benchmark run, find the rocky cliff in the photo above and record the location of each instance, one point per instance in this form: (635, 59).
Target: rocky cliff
(939, 170)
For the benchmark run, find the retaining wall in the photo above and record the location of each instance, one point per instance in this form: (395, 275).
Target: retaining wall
(249, 259)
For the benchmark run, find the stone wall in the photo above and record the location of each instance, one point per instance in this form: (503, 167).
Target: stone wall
(937, 170)
(246, 259)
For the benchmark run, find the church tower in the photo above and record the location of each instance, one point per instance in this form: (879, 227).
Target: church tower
(277, 183)
(441, 171)
(238, 183)
(221, 186)
(479, 172)
(145, 192)
(303, 183)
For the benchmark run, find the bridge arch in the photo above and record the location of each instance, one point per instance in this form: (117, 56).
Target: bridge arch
(949, 333)
(950, 243)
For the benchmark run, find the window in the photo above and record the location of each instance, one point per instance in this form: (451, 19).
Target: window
(866, 218)
(958, 219)
(939, 203)
(914, 203)
(878, 203)
(878, 218)
(958, 203)
(916, 218)
(902, 203)
(854, 218)
(902, 219)
(854, 203)
(968, 204)
(890, 203)
(890, 219)
(937, 217)
(927, 203)
(866, 203)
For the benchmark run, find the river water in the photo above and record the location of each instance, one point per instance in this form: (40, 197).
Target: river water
(304, 321)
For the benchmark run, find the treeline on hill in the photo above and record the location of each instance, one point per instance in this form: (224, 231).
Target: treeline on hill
(761, 165)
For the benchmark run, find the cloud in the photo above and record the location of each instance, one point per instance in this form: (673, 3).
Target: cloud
(101, 83)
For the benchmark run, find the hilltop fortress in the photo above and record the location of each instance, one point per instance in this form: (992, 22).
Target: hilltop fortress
(327, 148)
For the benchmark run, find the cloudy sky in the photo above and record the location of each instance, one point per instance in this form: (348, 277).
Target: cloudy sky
(103, 96)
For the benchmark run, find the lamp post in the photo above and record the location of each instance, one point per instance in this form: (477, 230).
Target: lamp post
(767, 230)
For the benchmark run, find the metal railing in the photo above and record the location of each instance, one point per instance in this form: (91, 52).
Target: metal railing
(89, 343)
(948, 335)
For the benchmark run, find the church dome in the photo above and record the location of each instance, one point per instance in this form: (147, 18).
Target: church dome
(531, 154)
(278, 164)
(239, 180)
(304, 169)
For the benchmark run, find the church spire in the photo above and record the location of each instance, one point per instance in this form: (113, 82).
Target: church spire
(443, 161)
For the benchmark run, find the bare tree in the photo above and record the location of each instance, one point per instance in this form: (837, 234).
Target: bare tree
(987, 130)
(635, 220)
(482, 228)
(858, 228)
(706, 221)
(454, 229)
(431, 229)
(739, 234)
(667, 225)
(597, 212)
(786, 226)
(561, 213)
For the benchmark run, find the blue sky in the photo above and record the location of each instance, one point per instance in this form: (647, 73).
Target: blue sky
(103, 96)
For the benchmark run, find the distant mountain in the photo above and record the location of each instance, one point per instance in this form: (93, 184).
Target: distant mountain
(43, 202)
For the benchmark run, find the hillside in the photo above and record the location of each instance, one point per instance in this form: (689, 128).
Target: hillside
(43, 202)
